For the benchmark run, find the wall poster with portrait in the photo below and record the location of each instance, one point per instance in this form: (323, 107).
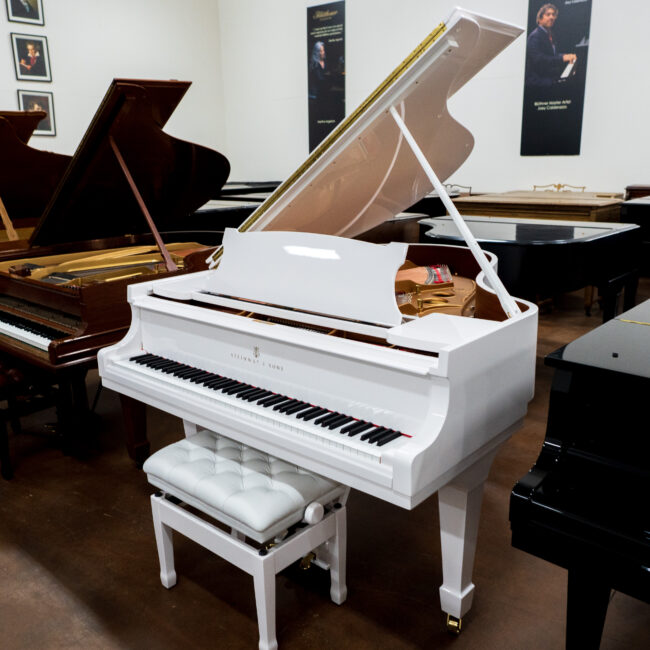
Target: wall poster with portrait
(25, 11)
(554, 82)
(31, 57)
(325, 69)
(34, 100)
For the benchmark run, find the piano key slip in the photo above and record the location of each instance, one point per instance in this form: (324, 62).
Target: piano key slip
(258, 497)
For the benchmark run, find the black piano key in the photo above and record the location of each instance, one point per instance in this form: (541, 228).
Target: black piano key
(167, 364)
(201, 377)
(387, 438)
(195, 373)
(217, 383)
(281, 408)
(241, 391)
(231, 383)
(349, 427)
(235, 388)
(297, 408)
(370, 435)
(259, 394)
(184, 372)
(378, 435)
(361, 427)
(339, 423)
(270, 401)
(155, 363)
(172, 367)
(324, 420)
(245, 393)
(315, 414)
(313, 409)
(141, 358)
(288, 401)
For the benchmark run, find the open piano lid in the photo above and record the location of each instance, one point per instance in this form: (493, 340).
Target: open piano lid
(361, 175)
(364, 173)
(28, 177)
(94, 200)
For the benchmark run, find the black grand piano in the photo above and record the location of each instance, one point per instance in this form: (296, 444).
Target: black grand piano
(584, 504)
(539, 258)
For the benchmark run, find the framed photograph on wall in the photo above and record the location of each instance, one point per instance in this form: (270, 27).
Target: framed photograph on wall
(31, 57)
(25, 11)
(34, 100)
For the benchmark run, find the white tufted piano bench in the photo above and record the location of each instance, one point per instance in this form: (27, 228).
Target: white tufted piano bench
(256, 496)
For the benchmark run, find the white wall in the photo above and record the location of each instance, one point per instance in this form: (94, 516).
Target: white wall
(92, 41)
(247, 59)
(265, 89)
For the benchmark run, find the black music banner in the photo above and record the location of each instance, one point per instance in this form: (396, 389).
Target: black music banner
(326, 68)
(554, 84)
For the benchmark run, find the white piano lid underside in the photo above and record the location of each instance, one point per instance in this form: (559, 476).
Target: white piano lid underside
(327, 275)
(364, 173)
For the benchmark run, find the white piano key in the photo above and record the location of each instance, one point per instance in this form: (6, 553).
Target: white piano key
(38, 341)
(289, 424)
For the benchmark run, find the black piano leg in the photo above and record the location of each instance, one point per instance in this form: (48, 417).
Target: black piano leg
(587, 602)
(135, 427)
(73, 413)
(6, 469)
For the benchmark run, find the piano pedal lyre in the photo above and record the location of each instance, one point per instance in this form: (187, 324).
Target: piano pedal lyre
(454, 625)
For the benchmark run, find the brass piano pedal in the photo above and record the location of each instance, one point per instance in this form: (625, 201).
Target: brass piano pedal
(454, 625)
(306, 561)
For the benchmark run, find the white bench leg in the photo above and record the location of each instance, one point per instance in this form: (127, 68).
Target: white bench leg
(165, 545)
(337, 551)
(264, 581)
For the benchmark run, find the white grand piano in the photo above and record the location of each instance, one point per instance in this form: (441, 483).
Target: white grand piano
(294, 343)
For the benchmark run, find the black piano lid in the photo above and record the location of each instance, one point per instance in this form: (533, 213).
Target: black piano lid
(621, 346)
(94, 201)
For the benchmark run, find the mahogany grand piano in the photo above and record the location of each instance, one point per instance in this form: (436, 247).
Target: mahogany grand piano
(121, 214)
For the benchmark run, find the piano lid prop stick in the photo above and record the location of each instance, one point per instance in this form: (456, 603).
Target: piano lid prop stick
(507, 302)
(169, 263)
(12, 235)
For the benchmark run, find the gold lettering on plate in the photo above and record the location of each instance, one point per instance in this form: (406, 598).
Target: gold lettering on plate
(256, 360)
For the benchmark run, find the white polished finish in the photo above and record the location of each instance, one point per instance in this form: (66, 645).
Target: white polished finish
(321, 263)
(229, 468)
(367, 174)
(456, 387)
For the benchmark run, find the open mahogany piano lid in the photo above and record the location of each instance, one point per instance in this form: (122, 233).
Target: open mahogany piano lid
(28, 176)
(94, 201)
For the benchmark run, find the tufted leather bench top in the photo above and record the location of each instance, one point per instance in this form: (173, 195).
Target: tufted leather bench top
(247, 489)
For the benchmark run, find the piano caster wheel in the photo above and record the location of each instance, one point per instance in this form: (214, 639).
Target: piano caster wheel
(454, 625)
(306, 561)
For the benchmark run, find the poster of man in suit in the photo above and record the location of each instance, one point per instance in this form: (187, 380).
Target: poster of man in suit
(554, 81)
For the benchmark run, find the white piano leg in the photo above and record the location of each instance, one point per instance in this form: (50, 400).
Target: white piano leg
(190, 428)
(264, 581)
(460, 510)
(165, 545)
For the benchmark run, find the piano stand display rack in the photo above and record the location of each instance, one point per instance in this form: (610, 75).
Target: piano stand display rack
(277, 513)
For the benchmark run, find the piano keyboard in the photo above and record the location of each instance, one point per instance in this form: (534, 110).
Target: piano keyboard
(326, 424)
(28, 331)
